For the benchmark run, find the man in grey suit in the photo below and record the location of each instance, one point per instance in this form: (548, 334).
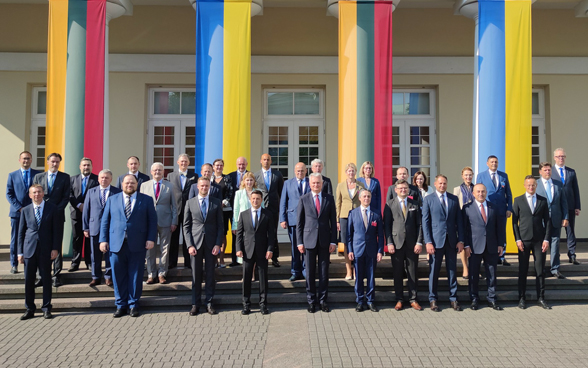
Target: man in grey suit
(402, 174)
(558, 211)
(167, 221)
(203, 232)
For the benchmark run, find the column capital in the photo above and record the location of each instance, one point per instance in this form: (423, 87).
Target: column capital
(333, 7)
(117, 8)
(256, 7)
(581, 9)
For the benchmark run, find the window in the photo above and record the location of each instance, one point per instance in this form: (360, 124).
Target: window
(38, 123)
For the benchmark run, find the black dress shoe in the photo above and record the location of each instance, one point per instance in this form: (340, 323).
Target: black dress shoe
(572, 259)
(359, 307)
(73, 268)
(434, 306)
(311, 308)
(57, 283)
(264, 310)
(38, 283)
(119, 313)
(494, 306)
(246, 311)
(234, 264)
(210, 309)
(27, 315)
(13, 270)
(47, 315)
(522, 304)
(292, 278)
(194, 311)
(276, 263)
(456, 307)
(558, 275)
(372, 307)
(474, 305)
(135, 312)
(325, 307)
(505, 263)
(543, 304)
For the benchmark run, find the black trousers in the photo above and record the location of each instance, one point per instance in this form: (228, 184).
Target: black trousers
(57, 262)
(490, 262)
(43, 264)
(401, 259)
(203, 255)
(80, 242)
(571, 233)
(248, 268)
(174, 246)
(311, 255)
(539, 263)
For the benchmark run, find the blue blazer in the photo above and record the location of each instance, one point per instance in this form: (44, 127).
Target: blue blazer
(93, 209)
(437, 226)
(570, 187)
(16, 191)
(140, 227)
(558, 208)
(141, 178)
(215, 191)
(376, 204)
(45, 236)
(501, 197)
(289, 200)
(362, 241)
(482, 235)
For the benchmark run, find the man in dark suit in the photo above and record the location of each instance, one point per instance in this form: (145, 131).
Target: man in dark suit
(293, 189)
(91, 220)
(532, 228)
(215, 190)
(56, 186)
(483, 242)
(365, 236)
(133, 165)
(182, 181)
(499, 194)
(80, 184)
(17, 193)
(38, 244)
(568, 177)
(316, 233)
(444, 237)
(236, 177)
(317, 166)
(255, 243)
(128, 230)
(402, 174)
(271, 183)
(553, 191)
(404, 235)
(203, 232)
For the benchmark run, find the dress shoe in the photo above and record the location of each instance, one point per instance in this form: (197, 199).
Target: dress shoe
(57, 283)
(572, 259)
(416, 306)
(505, 263)
(522, 304)
(95, 282)
(246, 310)
(434, 306)
(38, 283)
(276, 263)
(108, 282)
(558, 275)
(325, 307)
(47, 315)
(456, 307)
(359, 307)
(494, 306)
(150, 281)
(311, 308)
(135, 312)
(234, 264)
(27, 315)
(119, 313)
(73, 268)
(292, 278)
(210, 309)
(194, 311)
(88, 266)
(398, 306)
(14, 270)
(372, 307)
(474, 305)
(263, 310)
(543, 304)
(162, 280)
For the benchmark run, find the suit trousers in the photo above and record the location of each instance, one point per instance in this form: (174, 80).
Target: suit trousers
(297, 268)
(502, 227)
(571, 233)
(323, 255)
(405, 258)
(248, 269)
(203, 255)
(127, 276)
(43, 264)
(276, 254)
(490, 262)
(57, 262)
(97, 256)
(174, 246)
(533, 247)
(14, 223)
(365, 267)
(450, 253)
(161, 251)
(554, 248)
(79, 242)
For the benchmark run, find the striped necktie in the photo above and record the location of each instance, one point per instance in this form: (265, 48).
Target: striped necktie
(38, 215)
(103, 197)
(128, 207)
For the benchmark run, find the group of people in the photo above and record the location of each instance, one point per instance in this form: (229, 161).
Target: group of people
(148, 220)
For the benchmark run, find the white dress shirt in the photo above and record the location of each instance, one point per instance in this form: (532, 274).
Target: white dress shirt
(532, 201)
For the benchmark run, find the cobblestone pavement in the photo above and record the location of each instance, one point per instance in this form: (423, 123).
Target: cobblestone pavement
(293, 338)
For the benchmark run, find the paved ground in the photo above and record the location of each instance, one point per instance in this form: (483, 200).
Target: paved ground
(293, 338)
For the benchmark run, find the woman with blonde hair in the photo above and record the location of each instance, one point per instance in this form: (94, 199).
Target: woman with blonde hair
(366, 177)
(465, 196)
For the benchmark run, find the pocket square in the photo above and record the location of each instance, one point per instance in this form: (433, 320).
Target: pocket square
(374, 223)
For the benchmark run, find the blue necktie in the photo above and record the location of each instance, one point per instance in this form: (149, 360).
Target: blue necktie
(300, 187)
(254, 218)
(38, 215)
(51, 181)
(561, 175)
(548, 190)
(26, 180)
(267, 180)
(84, 184)
(203, 208)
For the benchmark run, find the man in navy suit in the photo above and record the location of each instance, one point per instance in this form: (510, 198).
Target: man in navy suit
(236, 177)
(365, 236)
(316, 233)
(128, 229)
(483, 242)
(38, 244)
(317, 166)
(413, 191)
(17, 193)
(133, 165)
(444, 237)
(215, 190)
(569, 179)
(80, 184)
(291, 193)
(499, 194)
(56, 186)
(553, 190)
(94, 204)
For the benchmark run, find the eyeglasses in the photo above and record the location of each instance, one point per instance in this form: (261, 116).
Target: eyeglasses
(559, 156)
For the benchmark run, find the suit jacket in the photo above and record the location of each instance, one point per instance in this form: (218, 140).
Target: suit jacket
(76, 196)
(289, 200)
(362, 241)
(482, 235)
(400, 231)
(258, 239)
(240, 204)
(343, 202)
(501, 196)
(59, 196)
(570, 187)
(316, 228)
(141, 178)
(413, 192)
(139, 228)
(93, 210)
(271, 198)
(558, 208)
(181, 195)
(327, 186)
(165, 205)
(195, 227)
(440, 223)
(457, 192)
(527, 226)
(215, 191)
(45, 236)
(17, 192)
(374, 188)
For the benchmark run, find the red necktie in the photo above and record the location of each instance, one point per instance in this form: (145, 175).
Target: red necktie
(157, 191)
(317, 203)
(483, 213)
